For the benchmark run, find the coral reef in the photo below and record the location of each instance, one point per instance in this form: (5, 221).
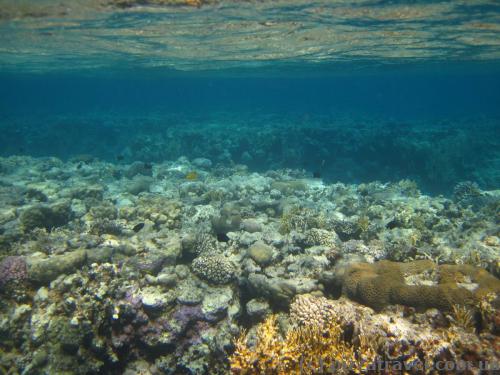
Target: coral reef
(94, 279)
(355, 340)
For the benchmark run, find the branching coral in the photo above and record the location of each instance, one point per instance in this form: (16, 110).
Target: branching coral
(308, 349)
(301, 219)
(462, 317)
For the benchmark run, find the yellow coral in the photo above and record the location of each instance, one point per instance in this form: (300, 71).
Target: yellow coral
(191, 176)
(363, 223)
(463, 317)
(307, 349)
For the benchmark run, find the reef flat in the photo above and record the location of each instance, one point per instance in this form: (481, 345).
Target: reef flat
(352, 148)
(196, 267)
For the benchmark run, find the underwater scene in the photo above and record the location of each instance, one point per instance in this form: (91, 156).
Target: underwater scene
(249, 187)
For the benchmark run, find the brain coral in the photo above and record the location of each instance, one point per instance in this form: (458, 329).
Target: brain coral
(420, 284)
(215, 269)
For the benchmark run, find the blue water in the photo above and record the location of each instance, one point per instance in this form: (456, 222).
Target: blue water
(437, 124)
(355, 92)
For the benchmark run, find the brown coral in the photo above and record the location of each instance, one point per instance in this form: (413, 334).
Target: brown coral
(420, 284)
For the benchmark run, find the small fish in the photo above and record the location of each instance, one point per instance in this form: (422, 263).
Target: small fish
(138, 227)
(79, 166)
(192, 176)
(222, 237)
(148, 166)
(316, 174)
(120, 157)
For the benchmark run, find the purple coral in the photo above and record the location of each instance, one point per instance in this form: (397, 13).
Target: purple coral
(13, 269)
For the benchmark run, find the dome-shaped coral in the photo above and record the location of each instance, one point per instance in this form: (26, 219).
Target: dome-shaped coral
(215, 269)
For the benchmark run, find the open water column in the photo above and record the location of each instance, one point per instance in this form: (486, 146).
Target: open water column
(249, 187)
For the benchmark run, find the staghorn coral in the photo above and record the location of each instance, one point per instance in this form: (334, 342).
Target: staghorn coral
(355, 340)
(346, 229)
(304, 350)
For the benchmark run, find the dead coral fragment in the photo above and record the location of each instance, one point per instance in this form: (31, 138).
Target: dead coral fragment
(308, 349)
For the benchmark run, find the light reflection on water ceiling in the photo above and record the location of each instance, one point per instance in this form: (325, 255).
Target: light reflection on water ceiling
(197, 35)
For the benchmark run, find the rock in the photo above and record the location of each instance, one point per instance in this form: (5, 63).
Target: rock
(172, 250)
(189, 293)
(251, 226)
(215, 305)
(41, 295)
(257, 309)
(138, 185)
(167, 279)
(261, 253)
(151, 261)
(229, 219)
(44, 216)
(155, 300)
(202, 163)
(277, 290)
(247, 239)
(138, 168)
(86, 192)
(45, 270)
(20, 311)
(289, 187)
(99, 255)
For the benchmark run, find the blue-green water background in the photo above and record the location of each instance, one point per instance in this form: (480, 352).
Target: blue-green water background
(435, 123)
(351, 91)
